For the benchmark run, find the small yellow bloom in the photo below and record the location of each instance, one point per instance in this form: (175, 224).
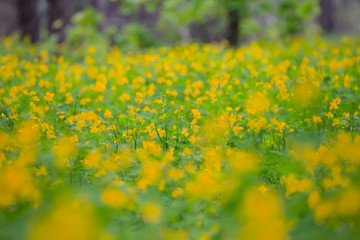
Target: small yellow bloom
(177, 192)
(152, 212)
(49, 97)
(108, 114)
(114, 198)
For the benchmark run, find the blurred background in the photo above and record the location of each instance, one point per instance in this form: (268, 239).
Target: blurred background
(147, 23)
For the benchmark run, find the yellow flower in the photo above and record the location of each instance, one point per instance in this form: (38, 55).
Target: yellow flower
(334, 103)
(324, 210)
(71, 221)
(91, 50)
(108, 114)
(349, 202)
(175, 173)
(114, 198)
(152, 212)
(42, 171)
(150, 173)
(16, 183)
(243, 162)
(124, 97)
(317, 119)
(196, 116)
(177, 192)
(187, 151)
(49, 97)
(93, 159)
(237, 129)
(199, 187)
(185, 132)
(263, 217)
(162, 184)
(69, 98)
(262, 189)
(64, 150)
(192, 139)
(313, 199)
(100, 87)
(297, 185)
(257, 103)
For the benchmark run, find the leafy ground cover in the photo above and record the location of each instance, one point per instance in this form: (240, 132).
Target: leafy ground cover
(185, 142)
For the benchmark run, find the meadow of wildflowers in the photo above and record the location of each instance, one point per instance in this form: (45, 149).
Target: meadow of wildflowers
(196, 141)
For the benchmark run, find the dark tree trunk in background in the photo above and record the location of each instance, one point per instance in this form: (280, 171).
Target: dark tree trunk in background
(232, 32)
(112, 16)
(28, 19)
(326, 19)
(8, 18)
(149, 19)
(208, 31)
(60, 13)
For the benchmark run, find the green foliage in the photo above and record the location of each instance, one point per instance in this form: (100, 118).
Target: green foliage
(294, 14)
(85, 28)
(134, 36)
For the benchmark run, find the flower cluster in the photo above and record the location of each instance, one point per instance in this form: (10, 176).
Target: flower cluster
(186, 142)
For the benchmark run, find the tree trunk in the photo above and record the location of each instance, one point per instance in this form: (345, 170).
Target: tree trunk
(207, 31)
(60, 13)
(28, 19)
(112, 15)
(232, 33)
(326, 19)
